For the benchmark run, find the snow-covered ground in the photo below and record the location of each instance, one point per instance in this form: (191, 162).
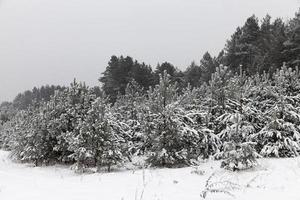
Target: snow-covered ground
(273, 179)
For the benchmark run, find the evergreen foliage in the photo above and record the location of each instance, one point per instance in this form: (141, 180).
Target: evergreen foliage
(233, 107)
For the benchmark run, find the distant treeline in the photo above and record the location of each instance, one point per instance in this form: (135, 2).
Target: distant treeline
(258, 46)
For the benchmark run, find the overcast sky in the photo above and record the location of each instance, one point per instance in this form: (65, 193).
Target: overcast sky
(53, 41)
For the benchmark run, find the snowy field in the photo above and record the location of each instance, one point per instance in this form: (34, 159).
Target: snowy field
(273, 179)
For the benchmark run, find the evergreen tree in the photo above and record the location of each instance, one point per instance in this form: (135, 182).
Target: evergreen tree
(193, 75)
(208, 67)
(100, 136)
(280, 135)
(37, 95)
(219, 88)
(173, 140)
(166, 66)
(7, 112)
(292, 45)
(238, 151)
(242, 48)
(130, 109)
(42, 136)
(271, 45)
(120, 71)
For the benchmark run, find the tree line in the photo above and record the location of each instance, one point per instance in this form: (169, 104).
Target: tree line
(258, 46)
(239, 106)
(235, 117)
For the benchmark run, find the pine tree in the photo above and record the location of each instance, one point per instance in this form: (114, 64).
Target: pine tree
(193, 75)
(292, 45)
(172, 140)
(45, 128)
(280, 135)
(270, 45)
(130, 109)
(33, 140)
(196, 108)
(120, 71)
(238, 151)
(100, 137)
(208, 67)
(218, 88)
(242, 49)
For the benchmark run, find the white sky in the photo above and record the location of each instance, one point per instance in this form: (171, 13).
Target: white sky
(53, 41)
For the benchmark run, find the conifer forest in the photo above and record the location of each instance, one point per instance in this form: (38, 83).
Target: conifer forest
(235, 110)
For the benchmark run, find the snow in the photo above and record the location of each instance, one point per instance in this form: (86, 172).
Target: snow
(272, 179)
